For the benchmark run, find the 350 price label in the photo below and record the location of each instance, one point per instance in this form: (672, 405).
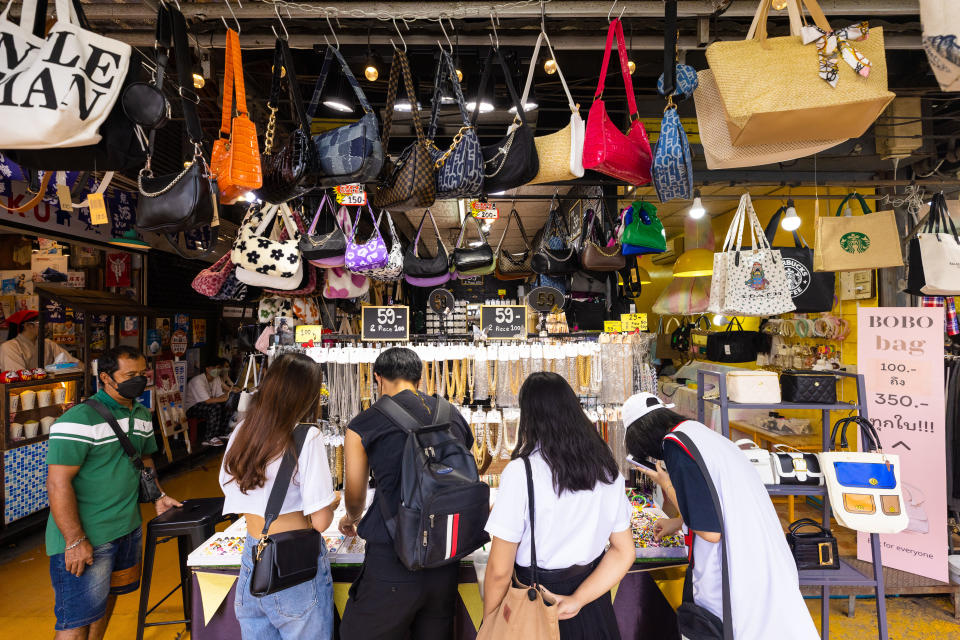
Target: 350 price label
(504, 322)
(385, 324)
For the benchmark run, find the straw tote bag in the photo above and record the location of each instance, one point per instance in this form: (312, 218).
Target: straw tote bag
(853, 243)
(771, 90)
(560, 153)
(235, 160)
(941, 29)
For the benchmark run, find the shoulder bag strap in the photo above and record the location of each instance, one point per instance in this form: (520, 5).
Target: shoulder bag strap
(188, 98)
(397, 414)
(392, 84)
(523, 234)
(107, 415)
(463, 229)
(228, 73)
(533, 63)
(238, 85)
(724, 569)
(284, 476)
(273, 102)
(863, 203)
(616, 30)
(323, 203)
(520, 117)
(531, 509)
(293, 88)
(356, 222)
(322, 80)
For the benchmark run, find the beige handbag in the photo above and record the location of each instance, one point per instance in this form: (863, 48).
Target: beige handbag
(753, 387)
(560, 153)
(771, 89)
(852, 243)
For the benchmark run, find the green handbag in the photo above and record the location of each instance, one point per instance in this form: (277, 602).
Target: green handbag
(643, 232)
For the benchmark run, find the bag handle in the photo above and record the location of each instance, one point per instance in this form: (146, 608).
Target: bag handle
(939, 218)
(574, 108)
(523, 233)
(446, 70)
(293, 87)
(670, 51)
(520, 118)
(37, 197)
(416, 241)
(747, 441)
(863, 204)
(730, 325)
(531, 510)
(758, 28)
(251, 367)
(356, 223)
(281, 484)
(770, 232)
(870, 438)
(322, 81)
(232, 73)
(616, 29)
(400, 65)
(125, 443)
(316, 217)
(807, 522)
(463, 228)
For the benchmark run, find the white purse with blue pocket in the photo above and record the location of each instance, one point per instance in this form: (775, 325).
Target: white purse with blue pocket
(864, 487)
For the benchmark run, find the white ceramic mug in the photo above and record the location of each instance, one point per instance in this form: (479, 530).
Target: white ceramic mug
(28, 399)
(44, 396)
(59, 395)
(46, 423)
(31, 428)
(16, 431)
(14, 403)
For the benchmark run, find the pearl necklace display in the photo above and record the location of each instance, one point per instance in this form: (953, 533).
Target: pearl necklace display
(470, 364)
(494, 449)
(492, 383)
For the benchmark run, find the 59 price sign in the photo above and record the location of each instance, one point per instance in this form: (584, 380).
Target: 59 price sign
(385, 324)
(504, 322)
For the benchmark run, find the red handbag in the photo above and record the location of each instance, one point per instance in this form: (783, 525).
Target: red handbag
(605, 148)
(209, 281)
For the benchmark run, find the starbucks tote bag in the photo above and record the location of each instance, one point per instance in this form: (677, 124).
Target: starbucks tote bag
(852, 243)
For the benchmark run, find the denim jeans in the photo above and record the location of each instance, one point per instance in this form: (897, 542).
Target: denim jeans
(303, 611)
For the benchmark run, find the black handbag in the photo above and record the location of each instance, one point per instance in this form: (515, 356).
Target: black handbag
(733, 346)
(186, 200)
(586, 316)
(425, 267)
(813, 549)
(811, 387)
(148, 490)
(473, 260)
(316, 246)
(284, 560)
(555, 255)
(513, 161)
(294, 169)
(938, 221)
(812, 291)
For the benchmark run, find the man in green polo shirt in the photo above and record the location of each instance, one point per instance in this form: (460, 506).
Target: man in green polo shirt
(93, 533)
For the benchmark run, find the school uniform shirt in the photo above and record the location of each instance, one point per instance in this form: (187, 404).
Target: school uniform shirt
(199, 389)
(572, 529)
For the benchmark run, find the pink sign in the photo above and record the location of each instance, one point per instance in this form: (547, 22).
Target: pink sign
(900, 354)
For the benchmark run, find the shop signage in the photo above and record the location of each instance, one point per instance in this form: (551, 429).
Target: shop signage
(633, 321)
(178, 342)
(545, 299)
(441, 301)
(351, 195)
(385, 324)
(308, 333)
(484, 210)
(504, 322)
(612, 326)
(900, 354)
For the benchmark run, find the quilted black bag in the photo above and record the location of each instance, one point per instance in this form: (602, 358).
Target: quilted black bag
(733, 346)
(419, 266)
(460, 167)
(351, 153)
(555, 255)
(812, 387)
(813, 549)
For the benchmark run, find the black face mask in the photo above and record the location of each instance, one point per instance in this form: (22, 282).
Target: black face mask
(132, 388)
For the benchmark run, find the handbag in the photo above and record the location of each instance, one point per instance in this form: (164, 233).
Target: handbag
(186, 200)
(309, 277)
(852, 243)
(864, 487)
(941, 29)
(605, 148)
(753, 387)
(418, 269)
(811, 291)
(771, 90)
(473, 260)
(760, 459)
(748, 282)
(246, 394)
(672, 170)
(794, 467)
(664, 349)
(147, 491)
(512, 161)
(733, 346)
(601, 252)
(559, 154)
(642, 230)
(555, 255)
(411, 181)
(284, 560)
(341, 284)
(526, 611)
(372, 254)
(933, 264)
(351, 153)
(328, 245)
(393, 270)
(684, 296)
(812, 550)
(808, 387)
(261, 260)
(583, 315)
(235, 159)
(460, 167)
(514, 266)
(210, 280)
(294, 169)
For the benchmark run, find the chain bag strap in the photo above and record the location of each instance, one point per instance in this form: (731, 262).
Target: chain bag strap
(460, 166)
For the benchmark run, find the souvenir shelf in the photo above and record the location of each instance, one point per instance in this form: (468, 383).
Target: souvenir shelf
(847, 575)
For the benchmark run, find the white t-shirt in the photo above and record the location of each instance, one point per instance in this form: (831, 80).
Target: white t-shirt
(199, 389)
(311, 488)
(572, 529)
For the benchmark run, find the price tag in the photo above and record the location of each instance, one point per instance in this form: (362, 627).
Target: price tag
(307, 333)
(441, 301)
(545, 299)
(351, 195)
(504, 322)
(484, 210)
(63, 195)
(385, 324)
(612, 326)
(178, 342)
(501, 292)
(98, 209)
(633, 321)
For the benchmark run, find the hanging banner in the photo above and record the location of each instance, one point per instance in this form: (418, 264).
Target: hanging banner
(900, 354)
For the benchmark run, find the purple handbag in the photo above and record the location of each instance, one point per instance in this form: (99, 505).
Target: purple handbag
(372, 254)
(432, 281)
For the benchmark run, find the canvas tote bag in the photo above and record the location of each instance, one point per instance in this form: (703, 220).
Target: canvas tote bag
(811, 291)
(934, 255)
(771, 89)
(941, 28)
(58, 89)
(852, 243)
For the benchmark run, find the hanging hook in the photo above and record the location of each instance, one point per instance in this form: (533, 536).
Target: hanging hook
(495, 37)
(286, 34)
(229, 8)
(614, 6)
(404, 42)
(543, 16)
(332, 32)
(449, 43)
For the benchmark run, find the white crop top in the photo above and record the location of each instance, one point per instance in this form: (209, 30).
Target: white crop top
(310, 490)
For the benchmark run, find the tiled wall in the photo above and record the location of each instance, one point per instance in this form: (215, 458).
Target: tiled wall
(25, 481)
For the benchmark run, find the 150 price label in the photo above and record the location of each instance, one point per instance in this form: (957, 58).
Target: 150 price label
(504, 322)
(351, 195)
(385, 324)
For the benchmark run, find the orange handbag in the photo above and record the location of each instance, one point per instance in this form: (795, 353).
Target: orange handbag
(235, 160)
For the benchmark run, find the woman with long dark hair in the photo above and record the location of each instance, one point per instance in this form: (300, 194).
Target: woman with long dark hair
(580, 507)
(289, 395)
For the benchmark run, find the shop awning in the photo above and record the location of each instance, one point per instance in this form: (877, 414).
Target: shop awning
(89, 301)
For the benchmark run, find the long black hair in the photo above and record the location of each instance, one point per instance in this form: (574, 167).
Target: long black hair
(552, 422)
(644, 437)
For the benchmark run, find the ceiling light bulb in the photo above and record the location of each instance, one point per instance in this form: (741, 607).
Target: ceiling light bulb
(485, 106)
(459, 75)
(779, 5)
(371, 73)
(550, 66)
(337, 105)
(198, 81)
(790, 222)
(631, 66)
(528, 106)
(696, 209)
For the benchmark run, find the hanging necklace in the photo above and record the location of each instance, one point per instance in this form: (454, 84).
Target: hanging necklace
(498, 428)
(470, 363)
(514, 380)
(452, 372)
(584, 372)
(509, 447)
(463, 365)
(492, 383)
(440, 376)
(479, 448)
(429, 376)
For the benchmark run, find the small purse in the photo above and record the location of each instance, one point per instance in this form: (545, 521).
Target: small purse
(733, 346)
(393, 270)
(210, 280)
(422, 271)
(514, 266)
(148, 491)
(603, 252)
(794, 467)
(262, 261)
(323, 246)
(642, 230)
(342, 285)
(284, 560)
(757, 387)
(460, 167)
(810, 387)
(559, 261)
(760, 459)
(473, 261)
(813, 549)
(372, 254)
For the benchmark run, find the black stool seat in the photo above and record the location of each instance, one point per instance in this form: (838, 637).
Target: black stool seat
(190, 525)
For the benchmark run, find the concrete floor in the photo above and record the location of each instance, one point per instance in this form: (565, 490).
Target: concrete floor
(26, 598)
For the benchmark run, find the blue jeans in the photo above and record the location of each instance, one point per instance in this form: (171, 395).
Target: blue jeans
(303, 611)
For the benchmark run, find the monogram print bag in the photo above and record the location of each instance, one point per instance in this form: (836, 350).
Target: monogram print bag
(460, 166)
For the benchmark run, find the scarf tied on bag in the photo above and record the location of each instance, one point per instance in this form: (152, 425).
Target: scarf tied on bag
(834, 44)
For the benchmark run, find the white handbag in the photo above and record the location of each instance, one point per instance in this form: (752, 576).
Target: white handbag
(760, 459)
(753, 387)
(795, 467)
(246, 397)
(341, 284)
(864, 487)
(940, 252)
(262, 259)
(57, 90)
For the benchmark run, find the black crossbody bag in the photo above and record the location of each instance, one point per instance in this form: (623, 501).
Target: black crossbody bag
(286, 559)
(149, 491)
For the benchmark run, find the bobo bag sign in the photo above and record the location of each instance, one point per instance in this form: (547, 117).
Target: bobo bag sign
(56, 92)
(852, 243)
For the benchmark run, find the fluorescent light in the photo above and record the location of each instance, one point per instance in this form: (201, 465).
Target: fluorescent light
(485, 106)
(404, 105)
(337, 104)
(527, 106)
(790, 222)
(696, 209)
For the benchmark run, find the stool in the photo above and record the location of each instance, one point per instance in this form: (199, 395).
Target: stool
(191, 525)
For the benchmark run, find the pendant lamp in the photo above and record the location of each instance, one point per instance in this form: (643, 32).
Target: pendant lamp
(693, 263)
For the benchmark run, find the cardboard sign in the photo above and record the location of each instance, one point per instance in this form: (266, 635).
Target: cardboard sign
(612, 326)
(504, 322)
(351, 195)
(385, 324)
(307, 333)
